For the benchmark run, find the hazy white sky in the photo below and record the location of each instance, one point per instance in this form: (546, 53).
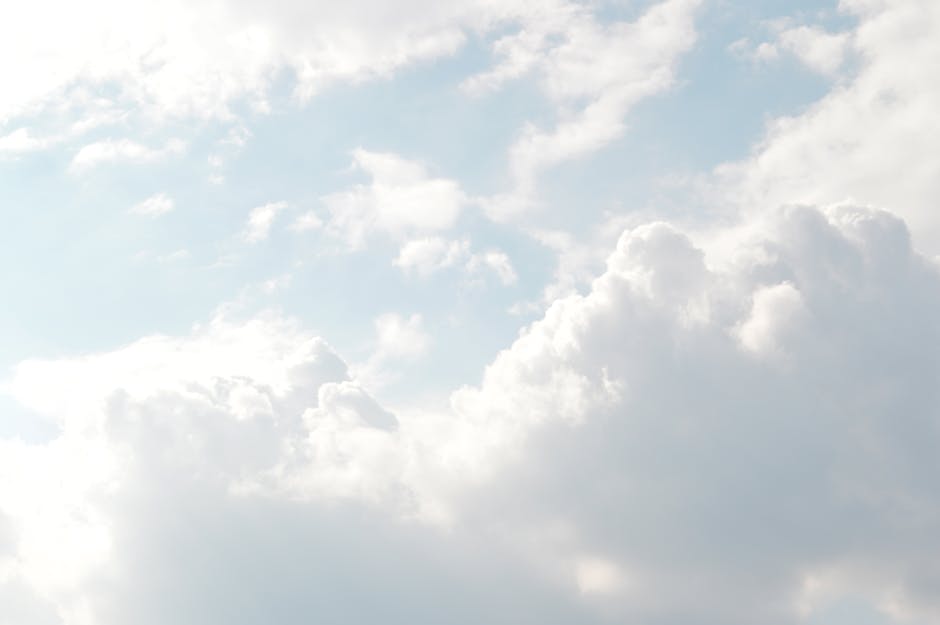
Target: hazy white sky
(478, 311)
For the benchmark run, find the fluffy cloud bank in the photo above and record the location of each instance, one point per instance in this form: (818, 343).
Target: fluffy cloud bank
(871, 140)
(726, 438)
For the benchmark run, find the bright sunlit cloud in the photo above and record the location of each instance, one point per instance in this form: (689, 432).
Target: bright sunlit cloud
(470, 312)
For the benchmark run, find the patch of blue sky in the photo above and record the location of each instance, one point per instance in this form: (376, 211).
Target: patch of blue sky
(716, 112)
(83, 274)
(339, 294)
(72, 275)
(421, 114)
(298, 154)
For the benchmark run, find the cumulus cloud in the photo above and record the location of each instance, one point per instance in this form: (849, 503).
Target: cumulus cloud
(775, 308)
(578, 259)
(699, 437)
(871, 139)
(401, 199)
(260, 220)
(727, 429)
(713, 478)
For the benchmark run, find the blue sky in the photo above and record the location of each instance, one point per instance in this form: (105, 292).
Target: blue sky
(522, 312)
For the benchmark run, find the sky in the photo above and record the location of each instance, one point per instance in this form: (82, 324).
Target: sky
(479, 311)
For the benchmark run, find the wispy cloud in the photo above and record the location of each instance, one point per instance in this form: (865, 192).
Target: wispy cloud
(154, 206)
(110, 151)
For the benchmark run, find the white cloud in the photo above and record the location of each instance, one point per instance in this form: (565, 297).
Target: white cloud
(174, 256)
(401, 199)
(154, 206)
(498, 262)
(429, 255)
(821, 51)
(775, 309)
(871, 140)
(194, 58)
(198, 58)
(519, 54)
(398, 340)
(307, 221)
(628, 452)
(736, 476)
(729, 432)
(278, 283)
(578, 258)
(260, 220)
(121, 151)
(21, 141)
(593, 73)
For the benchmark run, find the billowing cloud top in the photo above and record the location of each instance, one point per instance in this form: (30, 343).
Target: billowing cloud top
(470, 312)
